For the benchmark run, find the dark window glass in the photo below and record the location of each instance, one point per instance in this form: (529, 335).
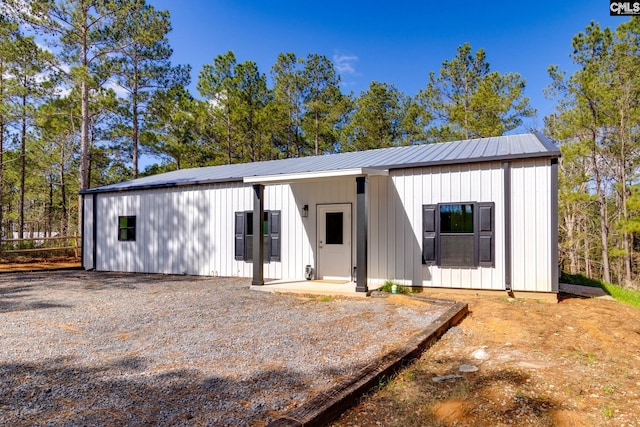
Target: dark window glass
(127, 228)
(265, 224)
(244, 236)
(456, 218)
(249, 224)
(334, 228)
(457, 250)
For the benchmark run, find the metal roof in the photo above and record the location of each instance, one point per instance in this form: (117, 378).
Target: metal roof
(508, 147)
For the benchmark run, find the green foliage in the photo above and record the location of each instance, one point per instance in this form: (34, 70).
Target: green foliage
(596, 123)
(236, 115)
(143, 68)
(400, 289)
(627, 296)
(377, 120)
(467, 100)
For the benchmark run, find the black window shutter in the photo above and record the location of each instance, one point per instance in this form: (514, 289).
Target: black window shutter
(429, 233)
(486, 234)
(239, 233)
(274, 233)
(266, 243)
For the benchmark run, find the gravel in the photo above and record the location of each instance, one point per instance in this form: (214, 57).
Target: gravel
(93, 348)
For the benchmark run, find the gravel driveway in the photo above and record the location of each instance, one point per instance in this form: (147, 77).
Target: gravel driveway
(91, 348)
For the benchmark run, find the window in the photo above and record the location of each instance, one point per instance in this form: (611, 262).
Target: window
(127, 228)
(244, 236)
(458, 234)
(334, 228)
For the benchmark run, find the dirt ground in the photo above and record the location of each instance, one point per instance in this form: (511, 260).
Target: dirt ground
(575, 363)
(31, 263)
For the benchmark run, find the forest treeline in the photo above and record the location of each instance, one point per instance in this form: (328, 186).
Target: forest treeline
(88, 86)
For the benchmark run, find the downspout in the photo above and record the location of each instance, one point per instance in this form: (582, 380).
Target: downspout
(506, 172)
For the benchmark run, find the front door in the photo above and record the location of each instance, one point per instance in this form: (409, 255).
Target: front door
(334, 242)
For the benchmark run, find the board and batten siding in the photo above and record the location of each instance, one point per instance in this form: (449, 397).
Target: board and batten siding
(190, 230)
(87, 232)
(395, 232)
(534, 242)
(187, 230)
(395, 224)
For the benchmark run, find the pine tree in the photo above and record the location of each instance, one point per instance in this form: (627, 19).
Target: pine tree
(468, 100)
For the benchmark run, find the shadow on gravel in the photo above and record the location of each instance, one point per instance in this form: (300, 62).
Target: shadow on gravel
(122, 393)
(19, 298)
(90, 280)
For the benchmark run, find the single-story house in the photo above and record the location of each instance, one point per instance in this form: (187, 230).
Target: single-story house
(474, 214)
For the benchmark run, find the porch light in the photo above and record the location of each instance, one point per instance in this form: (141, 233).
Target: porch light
(305, 211)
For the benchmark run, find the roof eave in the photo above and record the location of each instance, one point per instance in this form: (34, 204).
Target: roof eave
(157, 186)
(488, 159)
(314, 175)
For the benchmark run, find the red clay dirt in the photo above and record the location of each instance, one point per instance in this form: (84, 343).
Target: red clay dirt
(572, 363)
(31, 264)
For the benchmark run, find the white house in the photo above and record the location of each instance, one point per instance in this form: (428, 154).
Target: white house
(474, 214)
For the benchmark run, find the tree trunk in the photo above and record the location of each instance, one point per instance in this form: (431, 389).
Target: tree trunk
(587, 249)
(569, 221)
(623, 201)
(1, 173)
(84, 119)
(2, 127)
(63, 193)
(50, 209)
(317, 139)
(228, 136)
(23, 165)
(134, 106)
(603, 215)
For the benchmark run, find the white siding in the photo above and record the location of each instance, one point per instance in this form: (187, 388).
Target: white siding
(532, 210)
(179, 231)
(302, 249)
(87, 233)
(190, 230)
(395, 223)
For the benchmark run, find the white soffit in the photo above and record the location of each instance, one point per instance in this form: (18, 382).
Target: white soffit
(314, 176)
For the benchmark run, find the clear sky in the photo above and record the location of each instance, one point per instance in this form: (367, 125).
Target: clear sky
(397, 42)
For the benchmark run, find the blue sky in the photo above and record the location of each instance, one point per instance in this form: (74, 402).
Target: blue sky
(396, 42)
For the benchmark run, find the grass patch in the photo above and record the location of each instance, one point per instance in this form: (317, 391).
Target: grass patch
(627, 296)
(400, 289)
(322, 298)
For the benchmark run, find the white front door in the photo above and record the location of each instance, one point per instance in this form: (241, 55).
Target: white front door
(334, 242)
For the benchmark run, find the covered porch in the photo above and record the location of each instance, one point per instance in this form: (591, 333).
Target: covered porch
(340, 234)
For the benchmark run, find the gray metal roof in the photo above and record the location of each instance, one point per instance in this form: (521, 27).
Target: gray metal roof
(508, 147)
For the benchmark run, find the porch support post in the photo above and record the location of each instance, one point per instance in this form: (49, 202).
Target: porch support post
(258, 235)
(361, 234)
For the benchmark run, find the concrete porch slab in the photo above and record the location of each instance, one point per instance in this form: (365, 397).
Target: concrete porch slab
(311, 287)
